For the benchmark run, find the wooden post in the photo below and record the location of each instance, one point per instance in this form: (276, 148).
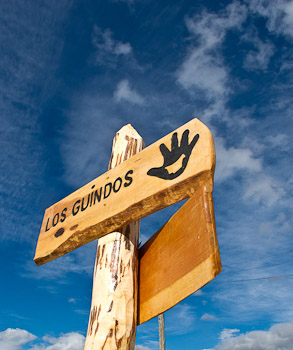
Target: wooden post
(113, 316)
(162, 345)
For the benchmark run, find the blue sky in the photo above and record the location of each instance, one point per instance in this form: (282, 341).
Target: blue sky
(72, 74)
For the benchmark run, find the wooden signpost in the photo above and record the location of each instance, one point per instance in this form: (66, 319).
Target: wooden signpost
(162, 174)
(113, 316)
(178, 260)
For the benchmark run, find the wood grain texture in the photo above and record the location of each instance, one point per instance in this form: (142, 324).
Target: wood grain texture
(162, 342)
(113, 316)
(181, 257)
(136, 192)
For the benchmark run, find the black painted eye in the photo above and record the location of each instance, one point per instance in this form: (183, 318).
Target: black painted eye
(170, 157)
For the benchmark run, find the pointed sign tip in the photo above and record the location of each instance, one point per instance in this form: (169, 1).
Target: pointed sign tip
(129, 130)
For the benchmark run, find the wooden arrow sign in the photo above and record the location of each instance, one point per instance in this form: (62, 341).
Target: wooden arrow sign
(180, 258)
(164, 173)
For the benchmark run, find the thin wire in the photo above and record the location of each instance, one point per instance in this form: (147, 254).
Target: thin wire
(257, 267)
(245, 261)
(254, 279)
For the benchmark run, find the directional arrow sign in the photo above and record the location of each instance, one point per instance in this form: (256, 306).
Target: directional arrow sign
(164, 173)
(180, 258)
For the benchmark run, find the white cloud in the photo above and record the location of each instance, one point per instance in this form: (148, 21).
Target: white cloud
(211, 28)
(68, 341)
(82, 312)
(13, 339)
(204, 72)
(228, 333)
(203, 69)
(150, 344)
(281, 141)
(263, 189)
(232, 159)
(124, 92)
(278, 226)
(79, 261)
(198, 293)
(279, 14)
(259, 57)
(109, 49)
(259, 186)
(180, 319)
(208, 317)
(278, 337)
(104, 41)
(142, 347)
(122, 49)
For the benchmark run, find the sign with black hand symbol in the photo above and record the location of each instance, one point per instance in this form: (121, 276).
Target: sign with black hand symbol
(172, 156)
(130, 191)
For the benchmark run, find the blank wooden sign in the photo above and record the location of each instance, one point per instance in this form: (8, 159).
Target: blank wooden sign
(162, 174)
(180, 258)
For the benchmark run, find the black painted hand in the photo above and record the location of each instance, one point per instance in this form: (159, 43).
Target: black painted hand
(170, 157)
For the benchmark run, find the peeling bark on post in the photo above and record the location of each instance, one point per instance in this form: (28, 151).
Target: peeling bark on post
(113, 316)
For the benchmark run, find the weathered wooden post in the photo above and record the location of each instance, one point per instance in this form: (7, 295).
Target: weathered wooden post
(113, 316)
(162, 343)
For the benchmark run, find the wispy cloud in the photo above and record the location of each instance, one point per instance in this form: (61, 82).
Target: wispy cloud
(124, 92)
(233, 159)
(279, 14)
(259, 186)
(79, 262)
(30, 55)
(180, 319)
(108, 50)
(19, 317)
(259, 56)
(251, 293)
(208, 317)
(228, 333)
(142, 347)
(82, 312)
(85, 150)
(203, 69)
(280, 224)
(199, 293)
(264, 190)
